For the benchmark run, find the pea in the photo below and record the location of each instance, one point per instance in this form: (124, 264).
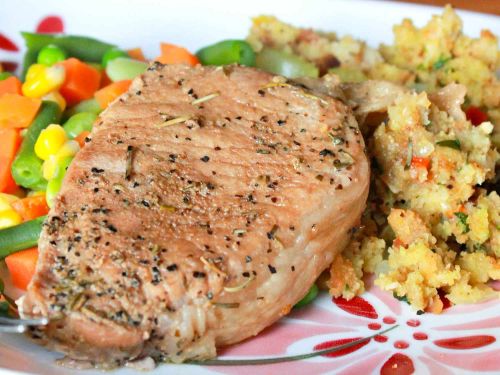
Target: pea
(51, 54)
(112, 54)
(309, 297)
(78, 123)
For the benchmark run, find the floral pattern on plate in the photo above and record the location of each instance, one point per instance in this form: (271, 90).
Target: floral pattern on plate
(49, 24)
(463, 339)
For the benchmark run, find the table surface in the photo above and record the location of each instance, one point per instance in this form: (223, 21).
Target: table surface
(484, 6)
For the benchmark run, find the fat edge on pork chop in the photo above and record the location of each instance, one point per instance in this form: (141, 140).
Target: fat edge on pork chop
(205, 205)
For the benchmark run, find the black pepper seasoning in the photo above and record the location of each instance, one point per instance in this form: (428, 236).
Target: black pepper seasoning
(96, 170)
(272, 232)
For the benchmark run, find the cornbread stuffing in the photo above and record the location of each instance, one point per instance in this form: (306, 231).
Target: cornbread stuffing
(431, 230)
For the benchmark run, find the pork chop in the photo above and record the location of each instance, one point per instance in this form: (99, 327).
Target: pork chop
(205, 205)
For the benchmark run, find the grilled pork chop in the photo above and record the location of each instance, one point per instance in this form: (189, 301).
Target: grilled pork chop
(204, 207)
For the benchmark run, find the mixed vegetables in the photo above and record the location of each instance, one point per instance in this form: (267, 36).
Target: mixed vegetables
(47, 114)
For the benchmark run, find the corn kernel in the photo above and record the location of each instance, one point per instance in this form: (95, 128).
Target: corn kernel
(49, 167)
(6, 200)
(9, 218)
(40, 80)
(50, 141)
(33, 193)
(70, 148)
(35, 70)
(56, 75)
(56, 97)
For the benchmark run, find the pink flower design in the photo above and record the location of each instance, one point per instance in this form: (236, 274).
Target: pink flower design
(461, 338)
(49, 24)
(7, 45)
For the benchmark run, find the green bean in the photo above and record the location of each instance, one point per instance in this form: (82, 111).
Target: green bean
(122, 68)
(54, 185)
(30, 57)
(5, 75)
(227, 52)
(27, 167)
(96, 66)
(309, 297)
(78, 123)
(284, 63)
(20, 237)
(81, 47)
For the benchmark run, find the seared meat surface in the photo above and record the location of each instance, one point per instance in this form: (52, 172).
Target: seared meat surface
(204, 207)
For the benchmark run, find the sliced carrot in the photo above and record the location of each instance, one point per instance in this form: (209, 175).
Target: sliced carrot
(172, 54)
(80, 138)
(105, 80)
(420, 162)
(11, 85)
(82, 81)
(9, 144)
(22, 266)
(7, 183)
(136, 53)
(31, 207)
(397, 243)
(17, 111)
(112, 91)
(18, 191)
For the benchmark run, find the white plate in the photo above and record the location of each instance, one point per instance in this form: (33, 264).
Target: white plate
(145, 23)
